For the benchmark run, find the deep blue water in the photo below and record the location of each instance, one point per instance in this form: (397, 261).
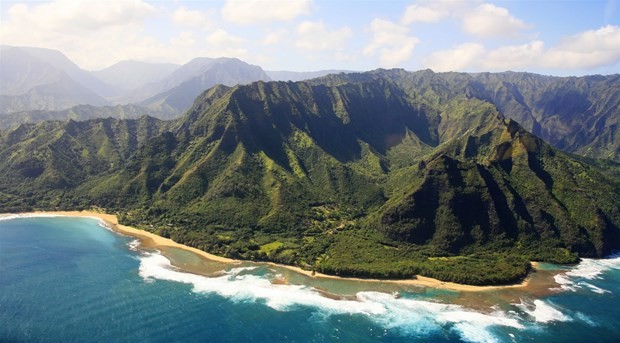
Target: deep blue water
(70, 280)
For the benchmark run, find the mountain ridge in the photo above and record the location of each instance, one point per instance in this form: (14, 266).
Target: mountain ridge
(576, 114)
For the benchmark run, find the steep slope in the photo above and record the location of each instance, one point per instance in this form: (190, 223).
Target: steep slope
(128, 75)
(45, 162)
(576, 114)
(520, 189)
(365, 175)
(579, 115)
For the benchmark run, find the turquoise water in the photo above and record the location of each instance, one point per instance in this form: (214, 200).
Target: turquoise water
(72, 280)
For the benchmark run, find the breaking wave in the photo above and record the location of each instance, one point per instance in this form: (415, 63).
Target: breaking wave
(543, 312)
(409, 317)
(587, 269)
(27, 215)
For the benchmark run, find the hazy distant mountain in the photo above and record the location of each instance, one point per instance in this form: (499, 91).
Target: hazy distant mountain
(58, 95)
(211, 72)
(222, 68)
(167, 105)
(36, 79)
(79, 113)
(29, 83)
(283, 75)
(128, 75)
(20, 72)
(85, 78)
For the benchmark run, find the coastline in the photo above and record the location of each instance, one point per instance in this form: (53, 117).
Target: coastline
(155, 241)
(421, 281)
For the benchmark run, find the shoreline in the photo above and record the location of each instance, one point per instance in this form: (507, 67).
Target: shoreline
(155, 241)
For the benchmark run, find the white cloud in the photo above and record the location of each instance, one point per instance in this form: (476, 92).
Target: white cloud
(68, 15)
(391, 42)
(488, 20)
(585, 50)
(221, 37)
(423, 14)
(314, 36)
(478, 19)
(103, 39)
(230, 51)
(461, 57)
(93, 34)
(589, 49)
(221, 43)
(245, 12)
(186, 17)
(513, 57)
(275, 37)
(185, 39)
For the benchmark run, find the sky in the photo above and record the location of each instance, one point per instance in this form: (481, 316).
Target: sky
(554, 37)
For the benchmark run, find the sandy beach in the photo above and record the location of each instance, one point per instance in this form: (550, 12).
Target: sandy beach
(155, 241)
(422, 281)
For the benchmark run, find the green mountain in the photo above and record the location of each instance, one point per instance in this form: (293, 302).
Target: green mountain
(576, 114)
(379, 174)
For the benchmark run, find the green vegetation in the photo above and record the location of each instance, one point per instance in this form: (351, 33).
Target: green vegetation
(384, 174)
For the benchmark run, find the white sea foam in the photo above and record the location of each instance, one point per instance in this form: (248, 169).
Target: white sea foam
(27, 215)
(543, 312)
(103, 224)
(595, 289)
(593, 268)
(240, 270)
(409, 316)
(133, 245)
(584, 318)
(12, 216)
(588, 269)
(565, 283)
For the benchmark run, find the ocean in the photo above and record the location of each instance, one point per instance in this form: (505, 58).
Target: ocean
(69, 279)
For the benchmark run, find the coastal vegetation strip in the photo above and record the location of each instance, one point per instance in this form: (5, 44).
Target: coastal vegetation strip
(155, 241)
